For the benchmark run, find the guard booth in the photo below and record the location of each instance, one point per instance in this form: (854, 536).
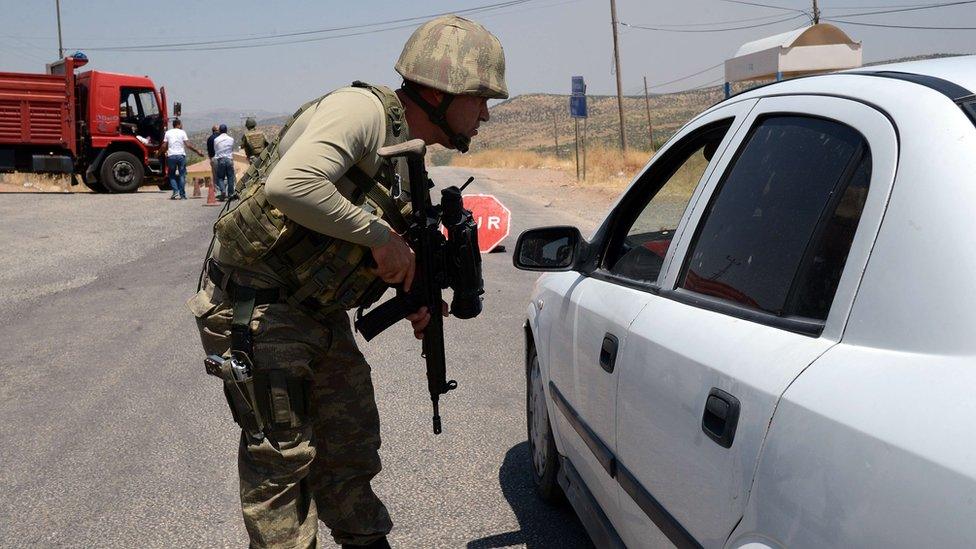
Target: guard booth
(808, 50)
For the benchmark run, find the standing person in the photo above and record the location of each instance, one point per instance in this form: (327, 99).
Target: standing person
(214, 132)
(317, 450)
(175, 143)
(224, 156)
(254, 141)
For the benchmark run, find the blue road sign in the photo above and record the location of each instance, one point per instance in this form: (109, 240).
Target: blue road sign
(577, 106)
(579, 87)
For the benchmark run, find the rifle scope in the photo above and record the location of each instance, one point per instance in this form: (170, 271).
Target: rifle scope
(463, 255)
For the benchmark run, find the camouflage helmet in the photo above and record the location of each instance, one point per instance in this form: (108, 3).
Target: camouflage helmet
(457, 56)
(250, 123)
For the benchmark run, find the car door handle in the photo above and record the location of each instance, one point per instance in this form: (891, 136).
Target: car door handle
(608, 352)
(721, 417)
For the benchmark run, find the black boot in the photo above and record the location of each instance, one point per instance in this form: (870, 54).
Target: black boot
(378, 544)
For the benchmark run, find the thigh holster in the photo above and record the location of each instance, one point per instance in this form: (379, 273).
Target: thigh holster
(262, 400)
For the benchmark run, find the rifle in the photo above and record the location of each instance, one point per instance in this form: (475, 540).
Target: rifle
(453, 262)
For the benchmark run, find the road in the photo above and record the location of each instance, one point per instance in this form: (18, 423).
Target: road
(113, 435)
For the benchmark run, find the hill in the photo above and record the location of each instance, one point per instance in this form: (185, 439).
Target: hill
(525, 122)
(202, 121)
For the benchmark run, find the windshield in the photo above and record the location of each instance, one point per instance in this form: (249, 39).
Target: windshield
(148, 100)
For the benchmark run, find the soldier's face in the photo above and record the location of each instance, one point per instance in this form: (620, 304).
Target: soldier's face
(466, 113)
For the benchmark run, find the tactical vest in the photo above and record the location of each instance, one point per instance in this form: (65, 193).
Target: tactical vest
(254, 142)
(321, 274)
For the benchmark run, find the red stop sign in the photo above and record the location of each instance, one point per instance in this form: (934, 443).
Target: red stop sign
(493, 218)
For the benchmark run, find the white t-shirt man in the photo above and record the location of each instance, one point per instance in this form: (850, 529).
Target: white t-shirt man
(224, 146)
(174, 139)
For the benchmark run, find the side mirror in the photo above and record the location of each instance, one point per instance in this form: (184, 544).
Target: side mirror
(549, 249)
(177, 108)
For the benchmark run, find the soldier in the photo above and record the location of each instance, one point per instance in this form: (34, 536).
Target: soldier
(314, 235)
(253, 141)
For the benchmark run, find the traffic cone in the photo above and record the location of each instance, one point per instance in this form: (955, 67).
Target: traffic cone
(196, 188)
(211, 196)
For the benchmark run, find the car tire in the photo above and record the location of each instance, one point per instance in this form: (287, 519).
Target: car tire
(543, 457)
(121, 172)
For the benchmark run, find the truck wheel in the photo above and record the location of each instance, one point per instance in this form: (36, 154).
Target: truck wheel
(122, 172)
(542, 446)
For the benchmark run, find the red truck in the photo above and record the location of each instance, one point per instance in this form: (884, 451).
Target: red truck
(103, 127)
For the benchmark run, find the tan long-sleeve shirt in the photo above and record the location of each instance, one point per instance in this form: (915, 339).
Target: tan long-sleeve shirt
(308, 183)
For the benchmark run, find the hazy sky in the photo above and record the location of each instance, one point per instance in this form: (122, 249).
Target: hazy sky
(546, 41)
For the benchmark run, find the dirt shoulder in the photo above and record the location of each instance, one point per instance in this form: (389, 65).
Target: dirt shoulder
(551, 189)
(37, 183)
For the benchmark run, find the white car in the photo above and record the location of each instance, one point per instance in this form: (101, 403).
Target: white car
(771, 339)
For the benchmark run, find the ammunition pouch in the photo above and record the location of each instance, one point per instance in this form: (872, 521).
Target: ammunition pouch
(321, 274)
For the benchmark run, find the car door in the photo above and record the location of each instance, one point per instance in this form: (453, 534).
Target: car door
(761, 285)
(591, 323)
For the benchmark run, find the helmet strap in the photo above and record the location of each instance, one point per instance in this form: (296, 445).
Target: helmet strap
(438, 116)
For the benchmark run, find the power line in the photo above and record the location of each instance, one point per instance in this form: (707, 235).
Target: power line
(897, 26)
(733, 21)
(911, 8)
(708, 84)
(188, 46)
(24, 53)
(743, 2)
(886, 6)
(251, 46)
(726, 29)
(661, 85)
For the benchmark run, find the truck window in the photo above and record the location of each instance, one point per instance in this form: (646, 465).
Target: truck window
(148, 100)
(129, 109)
(777, 231)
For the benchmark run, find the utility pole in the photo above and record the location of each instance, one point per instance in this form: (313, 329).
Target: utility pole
(616, 62)
(650, 128)
(555, 136)
(816, 13)
(57, 7)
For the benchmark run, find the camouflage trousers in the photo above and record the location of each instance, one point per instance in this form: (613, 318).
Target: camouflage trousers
(322, 470)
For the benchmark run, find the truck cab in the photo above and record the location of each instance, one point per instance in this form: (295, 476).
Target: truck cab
(122, 114)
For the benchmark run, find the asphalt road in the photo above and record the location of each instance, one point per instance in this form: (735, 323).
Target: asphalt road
(112, 435)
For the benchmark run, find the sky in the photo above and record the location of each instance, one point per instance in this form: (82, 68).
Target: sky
(546, 41)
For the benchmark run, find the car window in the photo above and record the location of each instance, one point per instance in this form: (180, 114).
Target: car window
(653, 210)
(777, 231)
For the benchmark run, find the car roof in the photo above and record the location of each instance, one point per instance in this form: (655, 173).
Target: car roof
(960, 70)
(954, 77)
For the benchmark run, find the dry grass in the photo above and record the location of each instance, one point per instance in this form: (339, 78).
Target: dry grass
(606, 168)
(33, 182)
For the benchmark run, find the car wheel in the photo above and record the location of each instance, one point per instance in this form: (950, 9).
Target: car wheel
(122, 172)
(542, 445)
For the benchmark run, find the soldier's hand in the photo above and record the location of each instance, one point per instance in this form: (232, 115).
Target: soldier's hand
(421, 318)
(395, 261)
